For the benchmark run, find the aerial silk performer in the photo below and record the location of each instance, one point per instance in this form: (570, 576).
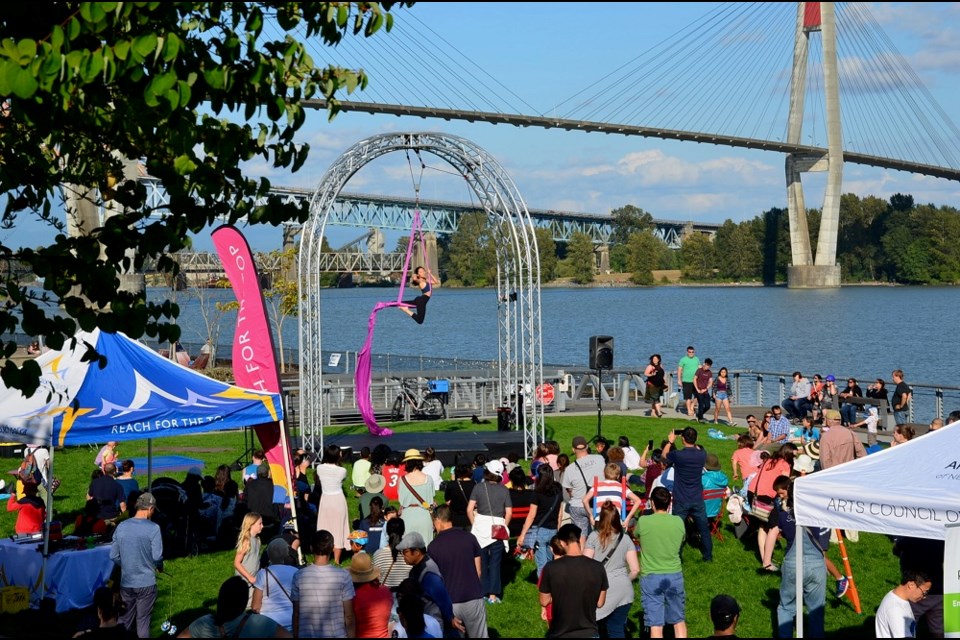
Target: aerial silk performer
(425, 280)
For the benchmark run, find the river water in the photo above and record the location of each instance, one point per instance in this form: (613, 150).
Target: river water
(861, 331)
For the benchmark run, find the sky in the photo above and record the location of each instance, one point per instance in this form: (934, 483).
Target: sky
(546, 53)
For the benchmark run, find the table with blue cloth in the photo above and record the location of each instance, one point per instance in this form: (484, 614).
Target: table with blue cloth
(72, 575)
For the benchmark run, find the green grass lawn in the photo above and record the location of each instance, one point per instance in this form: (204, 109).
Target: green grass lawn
(191, 589)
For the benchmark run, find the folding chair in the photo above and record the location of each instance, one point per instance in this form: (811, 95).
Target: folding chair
(713, 500)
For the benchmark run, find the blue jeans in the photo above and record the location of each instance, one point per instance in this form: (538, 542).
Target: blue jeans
(900, 417)
(849, 413)
(491, 556)
(697, 511)
(814, 589)
(796, 408)
(540, 536)
(617, 621)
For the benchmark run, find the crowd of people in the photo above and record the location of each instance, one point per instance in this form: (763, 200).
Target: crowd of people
(424, 552)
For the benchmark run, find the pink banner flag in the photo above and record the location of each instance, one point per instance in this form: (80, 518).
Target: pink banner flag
(254, 360)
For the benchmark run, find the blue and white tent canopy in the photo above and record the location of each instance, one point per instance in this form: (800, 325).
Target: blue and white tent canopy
(137, 395)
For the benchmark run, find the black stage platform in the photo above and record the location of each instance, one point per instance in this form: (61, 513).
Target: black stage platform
(452, 447)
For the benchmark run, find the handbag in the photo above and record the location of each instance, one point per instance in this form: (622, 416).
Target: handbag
(497, 531)
(760, 506)
(761, 510)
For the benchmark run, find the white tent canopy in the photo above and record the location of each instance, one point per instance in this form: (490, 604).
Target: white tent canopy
(911, 490)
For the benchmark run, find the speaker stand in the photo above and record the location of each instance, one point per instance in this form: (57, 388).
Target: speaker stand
(599, 435)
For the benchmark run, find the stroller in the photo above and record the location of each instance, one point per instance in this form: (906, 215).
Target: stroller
(173, 517)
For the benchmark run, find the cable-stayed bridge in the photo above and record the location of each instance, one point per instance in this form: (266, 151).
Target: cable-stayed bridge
(765, 76)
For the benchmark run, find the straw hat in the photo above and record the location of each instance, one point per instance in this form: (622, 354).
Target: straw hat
(412, 454)
(812, 449)
(362, 568)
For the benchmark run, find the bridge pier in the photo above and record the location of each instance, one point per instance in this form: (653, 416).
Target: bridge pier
(813, 276)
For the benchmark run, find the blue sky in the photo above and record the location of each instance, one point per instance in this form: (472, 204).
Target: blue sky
(546, 55)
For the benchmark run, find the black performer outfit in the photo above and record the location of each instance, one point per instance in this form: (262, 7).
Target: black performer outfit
(420, 302)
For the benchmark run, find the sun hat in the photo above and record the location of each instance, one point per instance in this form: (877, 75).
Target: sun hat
(362, 568)
(375, 483)
(712, 463)
(803, 463)
(412, 454)
(812, 449)
(495, 467)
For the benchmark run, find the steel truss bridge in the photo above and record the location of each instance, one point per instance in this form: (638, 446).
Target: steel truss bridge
(441, 217)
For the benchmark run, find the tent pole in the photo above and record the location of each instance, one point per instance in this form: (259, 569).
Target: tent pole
(149, 463)
(46, 529)
(293, 502)
(798, 547)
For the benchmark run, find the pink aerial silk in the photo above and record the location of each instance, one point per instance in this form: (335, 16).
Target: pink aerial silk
(362, 375)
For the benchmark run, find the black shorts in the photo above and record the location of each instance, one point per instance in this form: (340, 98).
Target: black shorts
(689, 393)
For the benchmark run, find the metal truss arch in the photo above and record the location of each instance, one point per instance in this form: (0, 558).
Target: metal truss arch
(520, 353)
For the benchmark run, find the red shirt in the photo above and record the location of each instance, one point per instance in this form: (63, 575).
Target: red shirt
(393, 475)
(31, 516)
(371, 609)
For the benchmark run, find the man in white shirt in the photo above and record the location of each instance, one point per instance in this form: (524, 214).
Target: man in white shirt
(895, 615)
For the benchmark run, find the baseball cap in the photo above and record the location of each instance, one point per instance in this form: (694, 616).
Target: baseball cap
(831, 414)
(146, 501)
(412, 540)
(579, 442)
(830, 378)
(494, 466)
(195, 471)
(723, 609)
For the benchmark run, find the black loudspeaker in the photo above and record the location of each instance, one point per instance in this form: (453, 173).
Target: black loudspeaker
(601, 352)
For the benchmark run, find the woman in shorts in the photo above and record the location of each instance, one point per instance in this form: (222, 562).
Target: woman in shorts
(721, 395)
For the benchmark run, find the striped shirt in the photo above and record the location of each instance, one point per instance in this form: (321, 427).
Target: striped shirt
(608, 491)
(321, 592)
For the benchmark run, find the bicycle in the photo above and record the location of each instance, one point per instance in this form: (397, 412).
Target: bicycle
(422, 404)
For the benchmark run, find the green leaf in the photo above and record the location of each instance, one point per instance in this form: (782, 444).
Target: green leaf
(214, 78)
(121, 49)
(57, 36)
(73, 28)
(343, 12)
(184, 164)
(144, 46)
(24, 84)
(28, 51)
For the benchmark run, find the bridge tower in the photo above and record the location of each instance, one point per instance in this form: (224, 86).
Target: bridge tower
(805, 271)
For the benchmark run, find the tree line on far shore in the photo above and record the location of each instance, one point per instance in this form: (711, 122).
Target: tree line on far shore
(895, 241)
